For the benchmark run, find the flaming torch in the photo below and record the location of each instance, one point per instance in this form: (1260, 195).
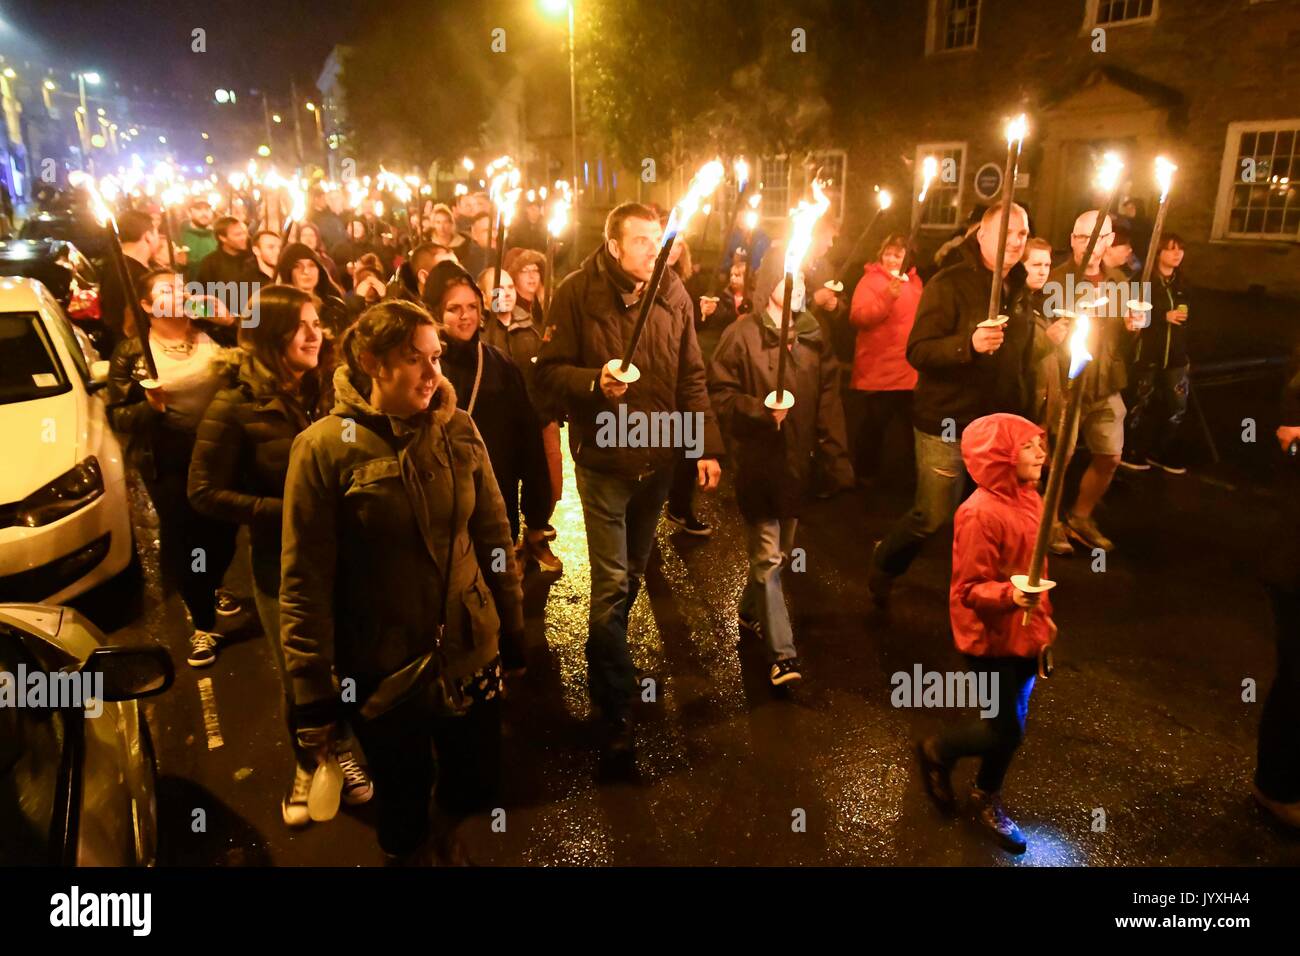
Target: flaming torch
(883, 201)
(505, 196)
(299, 210)
(173, 195)
(929, 170)
(1015, 140)
(740, 169)
(803, 219)
(554, 229)
(702, 186)
(1165, 177)
(101, 212)
(1033, 582)
(1108, 182)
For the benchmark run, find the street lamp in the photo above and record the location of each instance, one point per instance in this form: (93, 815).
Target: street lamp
(320, 133)
(92, 78)
(555, 8)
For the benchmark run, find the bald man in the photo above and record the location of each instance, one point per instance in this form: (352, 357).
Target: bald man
(965, 371)
(1101, 422)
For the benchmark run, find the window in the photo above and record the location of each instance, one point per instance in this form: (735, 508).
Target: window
(775, 182)
(774, 179)
(833, 164)
(1109, 13)
(953, 25)
(1259, 197)
(943, 203)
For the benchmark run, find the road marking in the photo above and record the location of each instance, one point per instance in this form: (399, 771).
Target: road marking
(210, 722)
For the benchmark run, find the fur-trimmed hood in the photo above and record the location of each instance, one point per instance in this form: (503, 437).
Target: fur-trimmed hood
(349, 401)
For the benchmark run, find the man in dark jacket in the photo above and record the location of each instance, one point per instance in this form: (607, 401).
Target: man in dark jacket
(140, 243)
(965, 371)
(623, 485)
(775, 448)
(230, 263)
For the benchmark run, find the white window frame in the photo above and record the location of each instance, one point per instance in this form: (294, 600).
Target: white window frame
(1228, 180)
(836, 211)
(923, 150)
(763, 214)
(933, 45)
(1090, 17)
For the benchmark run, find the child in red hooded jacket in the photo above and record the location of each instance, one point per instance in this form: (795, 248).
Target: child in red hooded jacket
(993, 538)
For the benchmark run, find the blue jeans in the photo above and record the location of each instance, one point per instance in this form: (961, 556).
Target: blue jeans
(620, 515)
(769, 542)
(994, 740)
(940, 486)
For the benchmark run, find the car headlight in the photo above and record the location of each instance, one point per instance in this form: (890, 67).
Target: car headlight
(70, 492)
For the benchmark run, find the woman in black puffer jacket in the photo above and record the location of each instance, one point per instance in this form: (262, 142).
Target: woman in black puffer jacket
(273, 386)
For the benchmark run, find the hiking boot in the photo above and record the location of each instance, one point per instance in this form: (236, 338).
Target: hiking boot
(690, 524)
(293, 808)
(936, 776)
(991, 816)
(1059, 543)
(1167, 468)
(358, 788)
(203, 649)
(1086, 532)
(785, 671)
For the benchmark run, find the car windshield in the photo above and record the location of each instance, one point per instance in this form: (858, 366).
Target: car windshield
(31, 745)
(29, 365)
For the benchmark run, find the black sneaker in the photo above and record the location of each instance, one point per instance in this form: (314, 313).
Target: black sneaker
(750, 628)
(358, 788)
(227, 604)
(690, 524)
(937, 778)
(203, 649)
(785, 671)
(991, 816)
(1167, 468)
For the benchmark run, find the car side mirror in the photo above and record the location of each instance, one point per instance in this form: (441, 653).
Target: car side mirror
(130, 672)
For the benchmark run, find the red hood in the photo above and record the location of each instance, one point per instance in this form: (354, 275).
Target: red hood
(989, 447)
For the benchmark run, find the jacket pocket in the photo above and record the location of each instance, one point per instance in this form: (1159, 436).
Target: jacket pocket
(364, 477)
(485, 623)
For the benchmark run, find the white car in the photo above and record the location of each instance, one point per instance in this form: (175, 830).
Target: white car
(65, 524)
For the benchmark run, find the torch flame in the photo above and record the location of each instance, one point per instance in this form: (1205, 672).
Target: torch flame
(929, 169)
(751, 220)
(741, 169)
(884, 198)
(803, 218)
(299, 211)
(173, 195)
(79, 180)
(1079, 354)
(754, 200)
(1165, 176)
(1109, 172)
(702, 186)
(559, 218)
(1016, 129)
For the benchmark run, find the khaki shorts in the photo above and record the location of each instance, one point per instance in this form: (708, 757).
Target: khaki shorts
(1102, 425)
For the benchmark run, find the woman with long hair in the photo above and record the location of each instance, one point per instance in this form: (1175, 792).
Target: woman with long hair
(301, 268)
(309, 235)
(159, 419)
(273, 386)
(398, 576)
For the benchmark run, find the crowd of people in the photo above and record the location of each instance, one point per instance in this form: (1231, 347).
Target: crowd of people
(388, 430)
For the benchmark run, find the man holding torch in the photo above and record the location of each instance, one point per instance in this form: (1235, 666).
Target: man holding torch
(968, 365)
(622, 487)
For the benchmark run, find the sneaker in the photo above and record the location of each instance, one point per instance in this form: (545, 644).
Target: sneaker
(545, 557)
(548, 533)
(690, 524)
(1167, 468)
(358, 788)
(1086, 532)
(1131, 465)
(991, 816)
(227, 604)
(936, 776)
(294, 806)
(785, 671)
(203, 649)
(1286, 813)
(1060, 541)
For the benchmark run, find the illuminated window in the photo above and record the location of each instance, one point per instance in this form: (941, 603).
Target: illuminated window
(953, 25)
(1258, 194)
(943, 205)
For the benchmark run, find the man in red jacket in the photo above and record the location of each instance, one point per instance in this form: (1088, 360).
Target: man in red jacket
(994, 533)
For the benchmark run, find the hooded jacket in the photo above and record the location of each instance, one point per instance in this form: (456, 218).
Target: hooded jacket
(993, 538)
(774, 466)
(884, 322)
(502, 410)
(200, 241)
(588, 324)
(374, 508)
(241, 453)
(954, 381)
(1162, 344)
(333, 313)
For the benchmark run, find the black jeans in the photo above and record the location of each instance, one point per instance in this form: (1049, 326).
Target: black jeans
(994, 739)
(188, 540)
(1278, 772)
(879, 421)
(412, 747)
(681, 493)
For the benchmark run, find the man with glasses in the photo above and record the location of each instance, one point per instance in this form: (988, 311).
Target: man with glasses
(622, 484)
(1074, 285)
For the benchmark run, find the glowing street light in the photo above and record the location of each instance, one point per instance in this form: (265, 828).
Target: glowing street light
(92, 78)
(264, 150)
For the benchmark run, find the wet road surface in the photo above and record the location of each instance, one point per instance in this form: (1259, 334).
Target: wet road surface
(1139, 750)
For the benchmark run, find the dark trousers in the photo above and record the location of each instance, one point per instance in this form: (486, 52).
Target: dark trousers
(412, 747)
(681, 493)
(1158, 406)
(188, 540)
(940, 488)
(1278, 772)
(878, 421)
(994, 739)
